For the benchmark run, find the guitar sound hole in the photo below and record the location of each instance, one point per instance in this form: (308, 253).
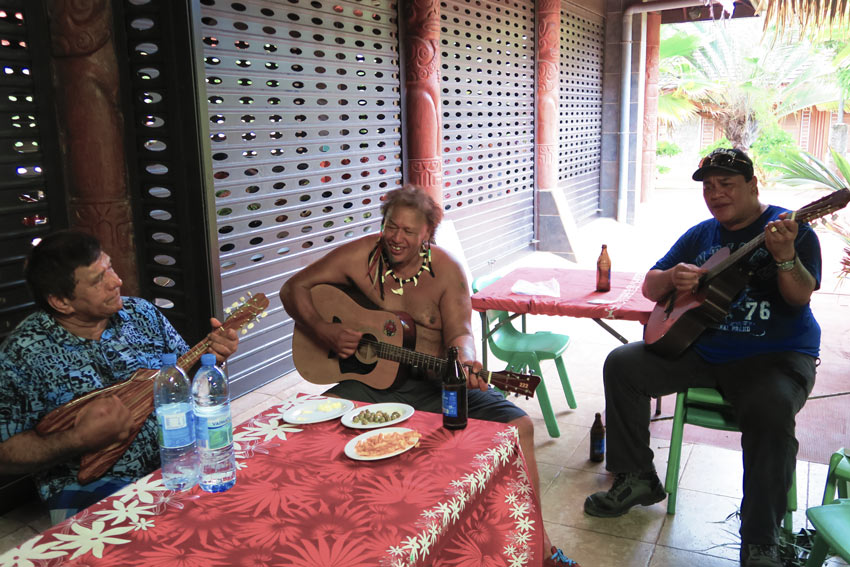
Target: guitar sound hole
(366, 350)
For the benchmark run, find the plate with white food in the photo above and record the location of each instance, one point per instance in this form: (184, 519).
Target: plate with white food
(377, 415)
(382, 443)
(317, 410)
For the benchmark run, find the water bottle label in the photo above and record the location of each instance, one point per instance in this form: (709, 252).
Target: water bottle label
(175, 428)
(214, 431)
(449, 403)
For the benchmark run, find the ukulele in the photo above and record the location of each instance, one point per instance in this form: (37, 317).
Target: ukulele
(385, 351)
(136, 392)
(678, 319)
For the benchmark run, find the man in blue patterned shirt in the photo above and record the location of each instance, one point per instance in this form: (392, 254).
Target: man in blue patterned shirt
(85, 336)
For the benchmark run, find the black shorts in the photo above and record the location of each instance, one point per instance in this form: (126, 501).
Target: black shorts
(426, 395)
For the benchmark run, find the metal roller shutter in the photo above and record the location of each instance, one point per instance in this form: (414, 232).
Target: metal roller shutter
(31, 195)
(487, 54)
(305, 137)
(580, 132)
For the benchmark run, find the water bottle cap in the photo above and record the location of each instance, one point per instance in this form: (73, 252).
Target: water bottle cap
(168, 359)
(208, 359)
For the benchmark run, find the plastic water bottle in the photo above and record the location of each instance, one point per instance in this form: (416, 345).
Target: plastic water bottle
(172, 402)
(213, 426)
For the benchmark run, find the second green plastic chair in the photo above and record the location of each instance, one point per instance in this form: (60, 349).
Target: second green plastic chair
(832, 518)
(706, 407)
(524, 352)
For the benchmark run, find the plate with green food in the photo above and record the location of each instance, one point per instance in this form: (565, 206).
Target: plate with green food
(377, 415)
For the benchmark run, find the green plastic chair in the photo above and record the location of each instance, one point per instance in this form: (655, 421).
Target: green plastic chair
(706, 407)
(832, 518)
(523, 351)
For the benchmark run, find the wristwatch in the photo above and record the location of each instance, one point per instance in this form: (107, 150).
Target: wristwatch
(788, 265)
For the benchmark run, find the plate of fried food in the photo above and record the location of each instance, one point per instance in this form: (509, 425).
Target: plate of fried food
(377, 415)
(382, 443)
(316, 410)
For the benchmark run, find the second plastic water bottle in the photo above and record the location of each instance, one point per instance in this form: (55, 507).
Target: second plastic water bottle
(176, 426)
(211, 403)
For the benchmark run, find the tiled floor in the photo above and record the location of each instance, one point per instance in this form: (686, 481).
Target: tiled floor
(702, 533)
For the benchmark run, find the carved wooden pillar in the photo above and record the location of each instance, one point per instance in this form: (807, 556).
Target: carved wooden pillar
(91, 128)
(422, 96)
(548, 70)
(554, 220)
(650, 112)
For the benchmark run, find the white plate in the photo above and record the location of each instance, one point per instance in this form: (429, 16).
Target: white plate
(389, 407)
(351, 453)
(314, 411)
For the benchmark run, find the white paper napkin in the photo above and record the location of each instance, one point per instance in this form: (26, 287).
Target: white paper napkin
(549, 287)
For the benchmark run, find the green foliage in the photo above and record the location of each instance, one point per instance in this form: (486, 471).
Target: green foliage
(802, 168)
(721, 143)
(772, 143)
(666, 148)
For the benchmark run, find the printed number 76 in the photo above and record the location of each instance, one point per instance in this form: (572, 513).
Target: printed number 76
(762, 306)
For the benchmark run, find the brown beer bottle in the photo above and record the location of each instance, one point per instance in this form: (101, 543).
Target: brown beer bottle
(603, 270)
(597, 440)
(455, 408)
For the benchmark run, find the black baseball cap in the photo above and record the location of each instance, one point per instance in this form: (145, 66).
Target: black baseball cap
(732, 160)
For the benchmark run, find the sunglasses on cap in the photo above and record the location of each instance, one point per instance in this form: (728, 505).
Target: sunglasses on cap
(722, 158)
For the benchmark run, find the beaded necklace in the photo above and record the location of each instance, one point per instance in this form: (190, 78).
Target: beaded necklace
(378, 268)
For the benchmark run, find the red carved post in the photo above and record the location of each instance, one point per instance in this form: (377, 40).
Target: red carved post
(91, 128)
(548, 70)
(422, 96)
(650, 112)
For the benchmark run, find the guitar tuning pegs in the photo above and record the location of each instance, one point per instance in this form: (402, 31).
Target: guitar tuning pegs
(250, 325)
(242, 299)
(234, 305)
(265, 313)
(227, 310)
(244, 331)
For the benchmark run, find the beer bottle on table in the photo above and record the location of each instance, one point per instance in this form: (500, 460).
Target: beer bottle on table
(597, 440)
(455, 408)
(603, 270)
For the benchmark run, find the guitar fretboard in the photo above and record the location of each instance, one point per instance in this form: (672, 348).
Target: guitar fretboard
(402, 355)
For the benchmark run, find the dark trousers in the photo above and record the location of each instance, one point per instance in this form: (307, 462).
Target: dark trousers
(766, 391)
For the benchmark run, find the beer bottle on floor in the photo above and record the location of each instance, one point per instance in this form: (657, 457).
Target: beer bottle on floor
(603, 270)
(597, 440)
(454, 393)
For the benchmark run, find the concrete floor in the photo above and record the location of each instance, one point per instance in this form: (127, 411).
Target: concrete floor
(703, 532)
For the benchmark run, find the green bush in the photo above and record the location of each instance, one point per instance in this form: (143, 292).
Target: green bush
(667, 149)
(772, 143)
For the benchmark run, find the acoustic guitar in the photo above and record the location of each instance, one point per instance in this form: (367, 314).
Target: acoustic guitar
(385, 352)
(678, 319)
(136, 392)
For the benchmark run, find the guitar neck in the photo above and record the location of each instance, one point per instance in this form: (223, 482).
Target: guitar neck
(402, 355)
(734, 257)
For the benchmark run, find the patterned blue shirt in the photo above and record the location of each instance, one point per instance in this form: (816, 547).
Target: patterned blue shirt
(46, 366)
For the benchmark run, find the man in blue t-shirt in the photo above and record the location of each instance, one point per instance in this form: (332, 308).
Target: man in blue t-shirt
(761, 356)
(85, 336)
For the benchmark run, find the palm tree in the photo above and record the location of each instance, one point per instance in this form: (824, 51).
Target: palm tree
(717, 68)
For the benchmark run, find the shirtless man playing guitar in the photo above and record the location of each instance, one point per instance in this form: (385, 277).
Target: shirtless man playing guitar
(85, 336)
(400, 270)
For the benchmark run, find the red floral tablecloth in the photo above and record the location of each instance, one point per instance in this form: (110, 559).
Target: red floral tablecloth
(459, 498)
(577, 295)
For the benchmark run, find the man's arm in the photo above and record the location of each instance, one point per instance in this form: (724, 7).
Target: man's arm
(681, 277)
(333, 268)
(99, 424)
(797, 284)
(456, 316)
